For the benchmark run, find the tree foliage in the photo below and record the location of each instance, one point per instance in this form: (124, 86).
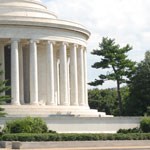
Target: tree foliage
(104, 100)
(3, 88)
(114, 58)
(145, 124)
(139, 99)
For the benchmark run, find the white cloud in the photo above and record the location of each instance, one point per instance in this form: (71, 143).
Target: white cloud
(128, 21)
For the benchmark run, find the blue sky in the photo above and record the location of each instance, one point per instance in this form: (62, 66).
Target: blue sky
(128, 21)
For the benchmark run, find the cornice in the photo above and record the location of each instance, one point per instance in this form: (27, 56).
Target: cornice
(49, 23)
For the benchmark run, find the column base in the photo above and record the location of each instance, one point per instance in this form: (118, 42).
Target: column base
(74, 104)
(64, 104)
(82, 104)
(51, 104)
(15, 103)
(22, 103)
(34, 103)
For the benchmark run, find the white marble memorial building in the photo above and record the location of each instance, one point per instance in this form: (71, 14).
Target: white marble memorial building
(44, 60)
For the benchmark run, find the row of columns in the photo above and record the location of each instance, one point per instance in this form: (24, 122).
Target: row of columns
(76, 85)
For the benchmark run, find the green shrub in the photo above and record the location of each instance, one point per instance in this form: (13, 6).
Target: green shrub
(73, 137)
(26, 125)
(125, 131)
(51, 131)
(145, 124)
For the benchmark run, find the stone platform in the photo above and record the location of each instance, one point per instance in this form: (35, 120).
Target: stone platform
(72, 124)
(46, 111)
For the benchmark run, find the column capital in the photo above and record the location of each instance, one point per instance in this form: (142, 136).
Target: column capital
(33, 41)
(74, 45)
(51, 42)
(81, 47)
(64, 43)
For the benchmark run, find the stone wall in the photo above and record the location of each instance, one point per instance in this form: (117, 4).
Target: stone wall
(71, 124)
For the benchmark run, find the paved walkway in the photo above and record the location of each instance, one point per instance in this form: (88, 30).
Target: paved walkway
(88, 145)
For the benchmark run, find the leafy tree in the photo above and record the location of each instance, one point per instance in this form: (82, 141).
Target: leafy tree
(139, 99)
(3, 88)
(114, 58)
(105, 100)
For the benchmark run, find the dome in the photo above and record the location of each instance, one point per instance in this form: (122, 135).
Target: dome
(24, 9)
(34, 13)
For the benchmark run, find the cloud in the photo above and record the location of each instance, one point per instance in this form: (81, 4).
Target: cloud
(128, 21)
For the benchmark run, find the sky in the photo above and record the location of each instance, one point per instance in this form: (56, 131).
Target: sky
(126, 21)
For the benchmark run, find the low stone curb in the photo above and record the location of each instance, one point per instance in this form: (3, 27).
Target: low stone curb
(10, 145)
(4, 144)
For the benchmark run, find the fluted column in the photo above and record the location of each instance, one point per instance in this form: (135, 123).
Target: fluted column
(14, 72)
(73, 75)
(21, 75)
(50, 74)
(63, 75)
(55, 78)
(80, 77)
(33, 73)
(85, 77)
(68, 78)
(58, 81)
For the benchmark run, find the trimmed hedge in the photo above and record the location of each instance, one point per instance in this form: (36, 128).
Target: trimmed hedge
(126, 131)
(73, 137)
(144, 127)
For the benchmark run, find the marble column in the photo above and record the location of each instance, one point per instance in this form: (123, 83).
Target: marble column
(14, 72)
(33, 73)
(21, 75)
(50, 74)
(68, 78)
(63, 74)
(55, 77)
(80, 77)
(73, 75)
(58, 81)
(85, 77)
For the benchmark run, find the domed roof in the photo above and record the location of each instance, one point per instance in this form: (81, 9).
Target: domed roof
(25, 9)
(34, 13)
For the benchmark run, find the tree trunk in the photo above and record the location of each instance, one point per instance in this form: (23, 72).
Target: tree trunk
(119, 98)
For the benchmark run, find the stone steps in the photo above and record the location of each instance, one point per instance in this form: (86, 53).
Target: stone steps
(45, 111)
